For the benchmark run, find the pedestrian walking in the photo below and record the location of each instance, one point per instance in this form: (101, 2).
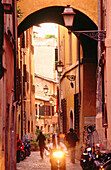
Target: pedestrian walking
(54, 140)
(71, 139)
(41, 138)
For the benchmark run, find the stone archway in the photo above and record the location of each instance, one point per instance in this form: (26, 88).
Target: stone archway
(89, 8)
(53, 14)
(81, 22)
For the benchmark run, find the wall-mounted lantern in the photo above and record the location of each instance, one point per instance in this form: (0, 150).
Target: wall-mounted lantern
(68, 16)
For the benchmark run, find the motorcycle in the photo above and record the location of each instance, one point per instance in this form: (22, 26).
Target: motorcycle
(88, 156)
(27, 147)
(22, 153)
(87, 159)
(106, 165)
(18, 155)
(101, 156)
(102, 160)
(58, 154)
(58, 159)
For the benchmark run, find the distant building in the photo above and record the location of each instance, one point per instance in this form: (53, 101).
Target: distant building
(44, 57)
(45, 74)
(46, 116)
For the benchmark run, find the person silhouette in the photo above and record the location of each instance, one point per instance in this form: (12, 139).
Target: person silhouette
(71, 139)
(41, 138)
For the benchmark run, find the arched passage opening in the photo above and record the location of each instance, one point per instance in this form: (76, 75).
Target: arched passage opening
(81, 23)
(53, 14)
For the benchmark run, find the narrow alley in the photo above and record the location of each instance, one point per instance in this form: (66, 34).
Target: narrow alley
(55, 84)
(34, 162)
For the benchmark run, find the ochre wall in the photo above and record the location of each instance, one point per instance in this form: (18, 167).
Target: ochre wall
(89, 89)
(89, 8)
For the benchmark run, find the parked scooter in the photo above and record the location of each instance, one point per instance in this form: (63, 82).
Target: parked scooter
(22, 153)
(87, 159)
(18, 155)
(95, 158)
(27, 147)
(19, 144)
(106, 165)
(102, 160)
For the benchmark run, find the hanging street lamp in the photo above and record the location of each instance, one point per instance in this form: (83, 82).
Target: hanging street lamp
(45, 89)
(59, 70)
(68, 16)
(50, 100)
(60, 67)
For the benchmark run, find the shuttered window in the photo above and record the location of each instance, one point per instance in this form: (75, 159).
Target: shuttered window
(64, 115)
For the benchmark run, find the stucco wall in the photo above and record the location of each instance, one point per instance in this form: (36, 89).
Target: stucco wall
(87, 7)
(89, 91)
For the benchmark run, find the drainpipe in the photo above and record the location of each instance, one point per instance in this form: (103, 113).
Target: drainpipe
(104, 121)
(108, 66)
(102, 57)
(79, 79)
(15, 44)
(79, 99)
(70, 46)
(98, 98)
(14, 6)
(59, 87)
(21, 79)
(2, 70)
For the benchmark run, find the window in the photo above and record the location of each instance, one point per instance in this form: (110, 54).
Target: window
(28, 126)
(52, 110)
(56, 58)
(42, 110)
(48, 110)
(32, 126)
(35, 109)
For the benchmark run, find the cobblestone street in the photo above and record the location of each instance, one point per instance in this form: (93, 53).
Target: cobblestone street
(34, 162)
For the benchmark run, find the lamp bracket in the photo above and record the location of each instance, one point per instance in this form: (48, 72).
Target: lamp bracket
(53, 95)
(94, 34)
(70, 77)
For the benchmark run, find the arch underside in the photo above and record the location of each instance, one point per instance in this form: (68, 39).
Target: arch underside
(53, 15)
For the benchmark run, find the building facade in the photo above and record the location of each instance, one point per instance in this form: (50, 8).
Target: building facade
(79, 104)
(78, 95)
(80, 59)
(103, 118)
(26, 101)
(45, 51)
(8, 85)
(46, 105)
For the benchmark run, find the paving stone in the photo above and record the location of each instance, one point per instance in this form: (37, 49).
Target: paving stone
(34, 162)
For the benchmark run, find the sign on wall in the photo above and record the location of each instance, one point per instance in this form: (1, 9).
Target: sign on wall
(89, 120)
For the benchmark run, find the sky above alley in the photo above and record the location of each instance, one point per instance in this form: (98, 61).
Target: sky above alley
(46, 28)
